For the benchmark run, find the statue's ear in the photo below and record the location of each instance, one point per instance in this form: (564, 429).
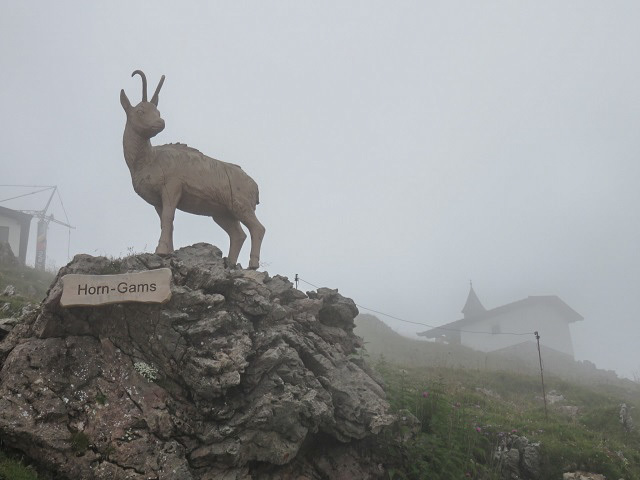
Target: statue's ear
(124, 101)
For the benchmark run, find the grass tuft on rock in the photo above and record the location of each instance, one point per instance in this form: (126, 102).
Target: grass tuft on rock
(12, 469)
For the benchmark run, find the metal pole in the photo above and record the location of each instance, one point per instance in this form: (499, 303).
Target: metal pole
(296, 279)
(544, 395)
(41, 244)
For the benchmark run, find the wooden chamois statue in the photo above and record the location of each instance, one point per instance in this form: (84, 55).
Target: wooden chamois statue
(177, 176)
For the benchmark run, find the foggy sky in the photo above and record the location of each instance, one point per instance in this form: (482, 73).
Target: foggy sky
(401, 148)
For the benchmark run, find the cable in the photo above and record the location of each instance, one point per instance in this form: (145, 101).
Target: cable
(25, 194)
(28, 186)
(425, 324)
(62, 204)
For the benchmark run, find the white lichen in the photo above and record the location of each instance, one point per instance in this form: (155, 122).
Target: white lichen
(129, 435)
(147, 371)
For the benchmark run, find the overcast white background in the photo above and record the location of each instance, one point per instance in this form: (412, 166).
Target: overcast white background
(401, 148)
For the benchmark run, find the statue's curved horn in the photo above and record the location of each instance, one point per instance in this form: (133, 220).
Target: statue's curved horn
(154, 99)
(144, 83)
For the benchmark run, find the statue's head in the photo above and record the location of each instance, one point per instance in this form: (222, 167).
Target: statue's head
(144, 118)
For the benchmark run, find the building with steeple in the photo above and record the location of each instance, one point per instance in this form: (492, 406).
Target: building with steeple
(509, 325)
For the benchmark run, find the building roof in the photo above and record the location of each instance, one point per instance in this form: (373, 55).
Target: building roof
(550, 300)
(16, 215)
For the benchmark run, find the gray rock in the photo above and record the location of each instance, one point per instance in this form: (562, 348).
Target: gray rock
(554, 397)
(570, 410)
(28, 309)
(6, 325)
(9, 291)
(487, 392)
(625, 417)
(9, 322)
(511, 464)
(410, 426)
(519, 459)
(238, 376)
(531, 461)
(582, 476)
(520, 443)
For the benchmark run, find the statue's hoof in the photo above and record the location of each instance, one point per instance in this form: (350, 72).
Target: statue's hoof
(229, 265)
(253, 265)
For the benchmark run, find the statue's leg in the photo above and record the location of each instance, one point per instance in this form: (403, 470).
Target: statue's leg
(170, 199)
(256, 230)
(159, 212)
(236, 236)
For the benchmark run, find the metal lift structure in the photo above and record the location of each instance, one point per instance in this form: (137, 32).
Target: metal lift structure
(43, 220)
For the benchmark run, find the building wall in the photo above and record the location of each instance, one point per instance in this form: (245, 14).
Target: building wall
(552, 327)
(14, 233)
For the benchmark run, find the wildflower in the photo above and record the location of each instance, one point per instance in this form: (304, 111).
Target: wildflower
(478, 429)
(425, 394)
(514, 430)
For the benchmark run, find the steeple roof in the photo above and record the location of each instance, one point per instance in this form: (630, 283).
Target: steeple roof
(473, 306)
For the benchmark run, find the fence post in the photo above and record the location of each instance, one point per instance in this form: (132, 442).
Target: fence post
(544, 395)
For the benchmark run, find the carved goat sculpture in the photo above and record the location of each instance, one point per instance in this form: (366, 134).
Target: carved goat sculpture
(177, 176)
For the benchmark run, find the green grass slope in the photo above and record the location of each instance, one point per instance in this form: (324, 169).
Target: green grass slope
(468, 403)
(31, 286)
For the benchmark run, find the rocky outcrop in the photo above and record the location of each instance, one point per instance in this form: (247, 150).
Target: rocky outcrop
(558, 401)
(238, 376)
(518, 458)
(625, 417)
(582, 476)
(6, 325)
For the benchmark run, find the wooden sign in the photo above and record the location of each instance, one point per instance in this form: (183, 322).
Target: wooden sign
(151, 286)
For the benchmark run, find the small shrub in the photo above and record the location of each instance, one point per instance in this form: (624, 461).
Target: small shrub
(101, 398)
(80, 442)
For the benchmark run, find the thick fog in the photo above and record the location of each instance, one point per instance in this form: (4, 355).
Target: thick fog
(401, 148)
